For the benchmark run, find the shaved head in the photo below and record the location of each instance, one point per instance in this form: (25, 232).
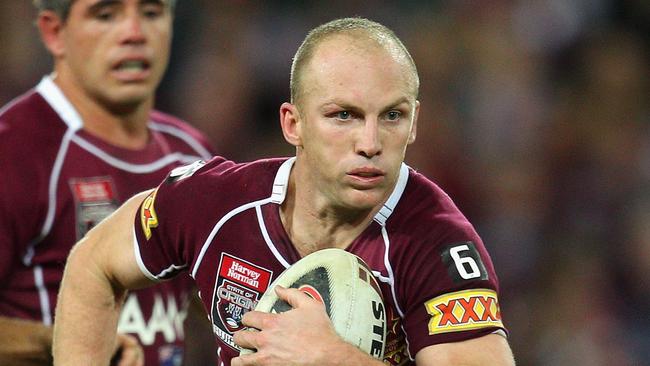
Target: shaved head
(364, 35)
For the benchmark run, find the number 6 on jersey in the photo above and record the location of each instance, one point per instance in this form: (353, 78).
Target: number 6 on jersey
(463, 262)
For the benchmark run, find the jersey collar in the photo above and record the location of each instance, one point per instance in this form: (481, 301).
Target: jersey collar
(281, 183)
(58, 101)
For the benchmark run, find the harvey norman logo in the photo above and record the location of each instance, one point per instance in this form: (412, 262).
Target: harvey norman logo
(244, 273)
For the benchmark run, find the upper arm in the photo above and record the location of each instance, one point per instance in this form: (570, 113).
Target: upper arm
(445, 282)
(109, 247)
(491, 349)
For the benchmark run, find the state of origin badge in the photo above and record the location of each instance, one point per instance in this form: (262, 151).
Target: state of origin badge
(95, 199)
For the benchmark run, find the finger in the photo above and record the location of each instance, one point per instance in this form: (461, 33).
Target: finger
(256, 319)
(244, 360)
(126, 340)
(131, 356)
(294, 297)
(132, 353)
(246, 338)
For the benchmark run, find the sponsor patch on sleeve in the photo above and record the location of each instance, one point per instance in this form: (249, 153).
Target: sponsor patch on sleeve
(148, 216)
(464, 310)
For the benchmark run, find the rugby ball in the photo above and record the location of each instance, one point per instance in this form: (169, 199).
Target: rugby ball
(345, 285)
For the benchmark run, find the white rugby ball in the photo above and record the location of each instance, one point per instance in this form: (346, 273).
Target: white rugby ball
(345, 285)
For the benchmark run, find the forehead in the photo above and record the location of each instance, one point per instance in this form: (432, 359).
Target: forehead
(351, 66)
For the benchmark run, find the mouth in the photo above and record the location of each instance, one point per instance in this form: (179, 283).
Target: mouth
(366, 177)
(131, 70)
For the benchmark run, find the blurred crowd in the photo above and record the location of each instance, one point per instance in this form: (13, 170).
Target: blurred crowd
(535, 118)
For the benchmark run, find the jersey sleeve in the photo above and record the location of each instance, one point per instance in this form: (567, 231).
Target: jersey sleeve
(22, 204)
(166, 224)
(448, 287)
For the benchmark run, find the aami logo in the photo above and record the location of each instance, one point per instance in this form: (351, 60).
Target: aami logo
(166, 319)
(463, 310)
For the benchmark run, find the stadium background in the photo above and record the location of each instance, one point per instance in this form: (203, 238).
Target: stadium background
(535, 118)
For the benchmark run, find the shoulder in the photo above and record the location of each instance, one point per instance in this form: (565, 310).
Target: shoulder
(176, 129)
(426, 211)
(219, 183)
(429, 232)
(30, 132)
(194, 198)
(29, 114)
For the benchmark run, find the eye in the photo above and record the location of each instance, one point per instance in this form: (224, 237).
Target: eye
(393, 115)
(105, 14)
(344, 115)
(152, 11)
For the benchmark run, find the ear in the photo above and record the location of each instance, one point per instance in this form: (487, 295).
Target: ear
(50, 26)
(291, 123)
(414, 127)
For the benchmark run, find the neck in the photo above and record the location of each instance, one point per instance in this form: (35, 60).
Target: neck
(313, 224)
(123, 126)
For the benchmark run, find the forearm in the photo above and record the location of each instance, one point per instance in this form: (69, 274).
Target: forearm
(346, 354)
(24, 342)
(87, 312)
(492, 349)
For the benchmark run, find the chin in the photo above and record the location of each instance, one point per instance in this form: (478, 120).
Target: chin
(364, 200)
(133, 97)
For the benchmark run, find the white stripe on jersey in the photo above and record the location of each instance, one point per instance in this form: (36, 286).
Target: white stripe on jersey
(387, 209)
(218, 226)
(133, 168)
(51, 202)
(42, 296)
(391, 281)
(138, 258)
(277, 196)
(189, 140)
(267, 238)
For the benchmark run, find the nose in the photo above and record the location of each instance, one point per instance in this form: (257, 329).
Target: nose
(368, 143)
(133, 31)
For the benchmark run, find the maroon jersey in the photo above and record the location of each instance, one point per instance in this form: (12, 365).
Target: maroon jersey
(221, 222)
(58, 182)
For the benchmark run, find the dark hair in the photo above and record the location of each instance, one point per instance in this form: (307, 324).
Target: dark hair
(62, 7)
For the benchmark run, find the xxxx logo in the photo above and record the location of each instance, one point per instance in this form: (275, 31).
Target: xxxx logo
(464, 310)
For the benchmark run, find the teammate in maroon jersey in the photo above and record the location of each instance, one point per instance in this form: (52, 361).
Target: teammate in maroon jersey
(236, 227)
(71, 151)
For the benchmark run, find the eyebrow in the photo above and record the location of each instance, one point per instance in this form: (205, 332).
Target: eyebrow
(100, 3)
(399, 101)
(345, 104)
(160, 2)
